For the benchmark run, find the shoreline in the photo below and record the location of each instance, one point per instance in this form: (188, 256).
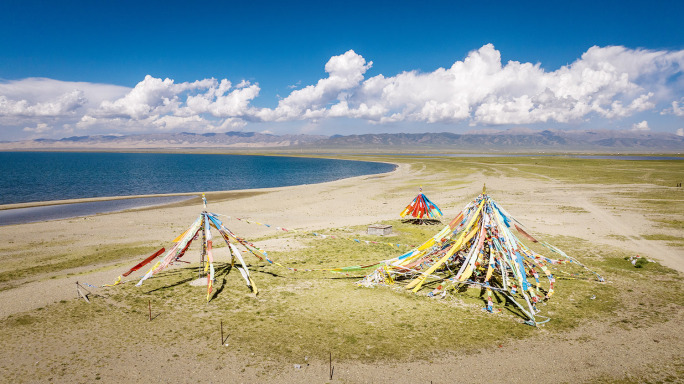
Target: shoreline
(47, 203)
(32, 204)
(41, 263)
(350, 156)
(152, 224)
(190, 198)
(83, 209)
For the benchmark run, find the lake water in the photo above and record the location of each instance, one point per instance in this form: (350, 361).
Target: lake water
(45, 176)
(66, 211)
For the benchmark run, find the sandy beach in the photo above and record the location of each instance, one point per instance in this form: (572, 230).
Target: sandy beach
(606, 215)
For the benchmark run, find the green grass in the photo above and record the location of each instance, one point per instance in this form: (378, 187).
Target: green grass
(312, 313)
(661, 236)
(63, 262)
(566, 208)
(672, 241)
(676, 224)
(301, 314)
(656, 172)
(660, 173)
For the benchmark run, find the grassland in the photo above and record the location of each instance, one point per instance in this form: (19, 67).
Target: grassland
(301, 317)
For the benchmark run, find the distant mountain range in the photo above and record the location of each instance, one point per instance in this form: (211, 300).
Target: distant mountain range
(167, 140)
(513, 140)
(518, 141)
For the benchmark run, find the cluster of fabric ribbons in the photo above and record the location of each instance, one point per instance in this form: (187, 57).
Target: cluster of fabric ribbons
(422, 206)
(201, 227)
(477, 248)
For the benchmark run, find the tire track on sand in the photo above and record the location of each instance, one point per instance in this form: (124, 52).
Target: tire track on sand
(649, 248)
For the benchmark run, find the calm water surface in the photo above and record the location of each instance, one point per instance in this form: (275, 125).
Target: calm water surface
(42, 176)
(46, 176)
(66, 211)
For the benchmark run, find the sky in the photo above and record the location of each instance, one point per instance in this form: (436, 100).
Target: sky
(76, 68)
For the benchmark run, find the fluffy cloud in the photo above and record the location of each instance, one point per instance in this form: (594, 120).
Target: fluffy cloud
(610, 82)
(39, 128)
(345, 73)
(63, 105)
(164, 105)
(218, 102)
(675, 108)
(483, 91)
(40, 97)
(150, 97)
(605, 82)
(642, 126)
(680, 132)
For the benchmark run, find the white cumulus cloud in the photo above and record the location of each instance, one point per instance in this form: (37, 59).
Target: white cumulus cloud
(604, 83)
(220, 103)
(39, 128)
(64, 104)
(641, 126)
(152, 96)
(163, 105)
(483, 90)
(40, 97)
(345, 72)
(610, 82)
(676, 108)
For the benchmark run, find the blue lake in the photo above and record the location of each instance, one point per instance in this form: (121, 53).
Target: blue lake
(66, 211)
(45, 176)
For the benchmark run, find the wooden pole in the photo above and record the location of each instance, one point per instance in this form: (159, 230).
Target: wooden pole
(222, 332)
(80, 293)
(332, 369)
(204, 247)
(149, 303)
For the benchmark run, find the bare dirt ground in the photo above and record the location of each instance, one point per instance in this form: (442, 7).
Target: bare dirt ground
(597, 351)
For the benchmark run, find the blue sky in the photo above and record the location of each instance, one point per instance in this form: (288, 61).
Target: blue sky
(92, 56)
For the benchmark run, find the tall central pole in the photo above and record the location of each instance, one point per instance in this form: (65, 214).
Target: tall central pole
(204, 236)
(204, 248)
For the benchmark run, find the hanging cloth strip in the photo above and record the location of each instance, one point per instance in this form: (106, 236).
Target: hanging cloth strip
(421, 206)
(257, 223)
(359, 241)
(478, 248)
(176, 252)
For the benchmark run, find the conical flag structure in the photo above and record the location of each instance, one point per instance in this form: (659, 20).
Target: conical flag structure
(201, 227)
(422, 206)
(477, 248)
